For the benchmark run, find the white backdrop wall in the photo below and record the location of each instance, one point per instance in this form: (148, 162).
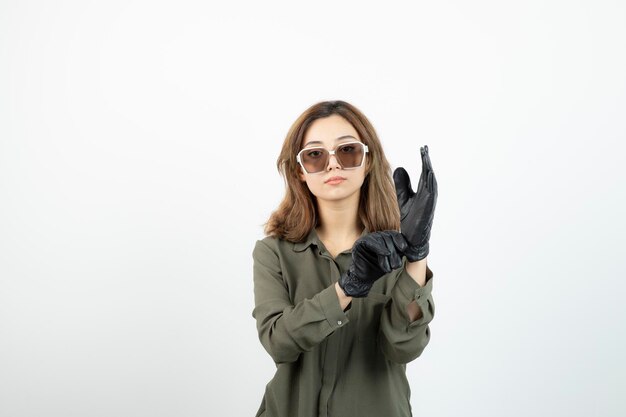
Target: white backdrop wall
(138, 142)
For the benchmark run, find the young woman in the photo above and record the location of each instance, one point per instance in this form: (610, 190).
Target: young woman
(342, 298)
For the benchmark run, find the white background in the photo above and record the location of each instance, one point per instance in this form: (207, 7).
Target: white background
(138, 142)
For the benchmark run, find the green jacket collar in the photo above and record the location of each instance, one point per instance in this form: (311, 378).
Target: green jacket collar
(313, 239)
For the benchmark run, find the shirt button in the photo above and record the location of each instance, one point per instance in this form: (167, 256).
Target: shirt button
(339, 322)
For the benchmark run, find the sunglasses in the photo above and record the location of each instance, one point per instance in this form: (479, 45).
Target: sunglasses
(349, 155)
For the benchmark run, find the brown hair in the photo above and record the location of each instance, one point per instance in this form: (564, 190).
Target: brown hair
(297, 214)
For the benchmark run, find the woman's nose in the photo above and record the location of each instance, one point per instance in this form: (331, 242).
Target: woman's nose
(333, 162)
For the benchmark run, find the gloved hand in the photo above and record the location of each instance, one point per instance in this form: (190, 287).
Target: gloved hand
(373, 255)
(416, 209)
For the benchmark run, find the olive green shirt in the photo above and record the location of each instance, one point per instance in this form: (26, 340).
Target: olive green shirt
(332, 362)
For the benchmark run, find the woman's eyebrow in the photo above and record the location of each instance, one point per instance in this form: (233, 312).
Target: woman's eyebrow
(339, 138)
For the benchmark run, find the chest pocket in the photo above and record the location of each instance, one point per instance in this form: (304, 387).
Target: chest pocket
(370, 308)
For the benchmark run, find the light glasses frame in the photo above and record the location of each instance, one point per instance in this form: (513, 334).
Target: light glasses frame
(333, 152)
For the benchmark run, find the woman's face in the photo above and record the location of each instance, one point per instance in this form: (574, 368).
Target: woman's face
(330, 132)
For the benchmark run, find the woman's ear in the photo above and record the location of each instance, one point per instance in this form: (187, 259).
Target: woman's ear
(301, 174)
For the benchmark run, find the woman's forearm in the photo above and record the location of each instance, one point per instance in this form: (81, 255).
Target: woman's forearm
(344, 300)
(417, 271)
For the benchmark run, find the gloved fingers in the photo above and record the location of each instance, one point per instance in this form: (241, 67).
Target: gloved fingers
(426, 162)
(368, 269)
(422, 182)
(429, 183)
(383, 264)
(425, 167)
(394, 258)
(432, 183)
(402, 182)
(364, 257)
(399, 241)
(387, 261)
(426, 158)
(373, 243)
(395, 261)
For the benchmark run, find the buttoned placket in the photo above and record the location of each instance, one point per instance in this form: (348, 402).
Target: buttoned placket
(332, 349)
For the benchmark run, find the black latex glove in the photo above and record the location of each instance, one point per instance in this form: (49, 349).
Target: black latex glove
(373, 256)
(416, 209)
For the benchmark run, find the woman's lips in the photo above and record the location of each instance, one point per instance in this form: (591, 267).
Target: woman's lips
(335, 181)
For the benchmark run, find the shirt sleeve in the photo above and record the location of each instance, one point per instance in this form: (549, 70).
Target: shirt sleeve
(286, 330)
(401, 340)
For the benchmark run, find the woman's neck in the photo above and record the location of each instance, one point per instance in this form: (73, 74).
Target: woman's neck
(339, 220)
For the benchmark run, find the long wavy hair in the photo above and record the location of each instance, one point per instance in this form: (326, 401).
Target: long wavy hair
(297, 213)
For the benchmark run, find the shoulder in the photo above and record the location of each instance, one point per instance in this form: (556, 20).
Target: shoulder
(272, 247)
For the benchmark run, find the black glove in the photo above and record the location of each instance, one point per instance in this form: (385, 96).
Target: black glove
(373, 256)
(416, 209)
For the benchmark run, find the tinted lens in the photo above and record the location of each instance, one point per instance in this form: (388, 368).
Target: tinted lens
(314, 159)
(350, 155)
